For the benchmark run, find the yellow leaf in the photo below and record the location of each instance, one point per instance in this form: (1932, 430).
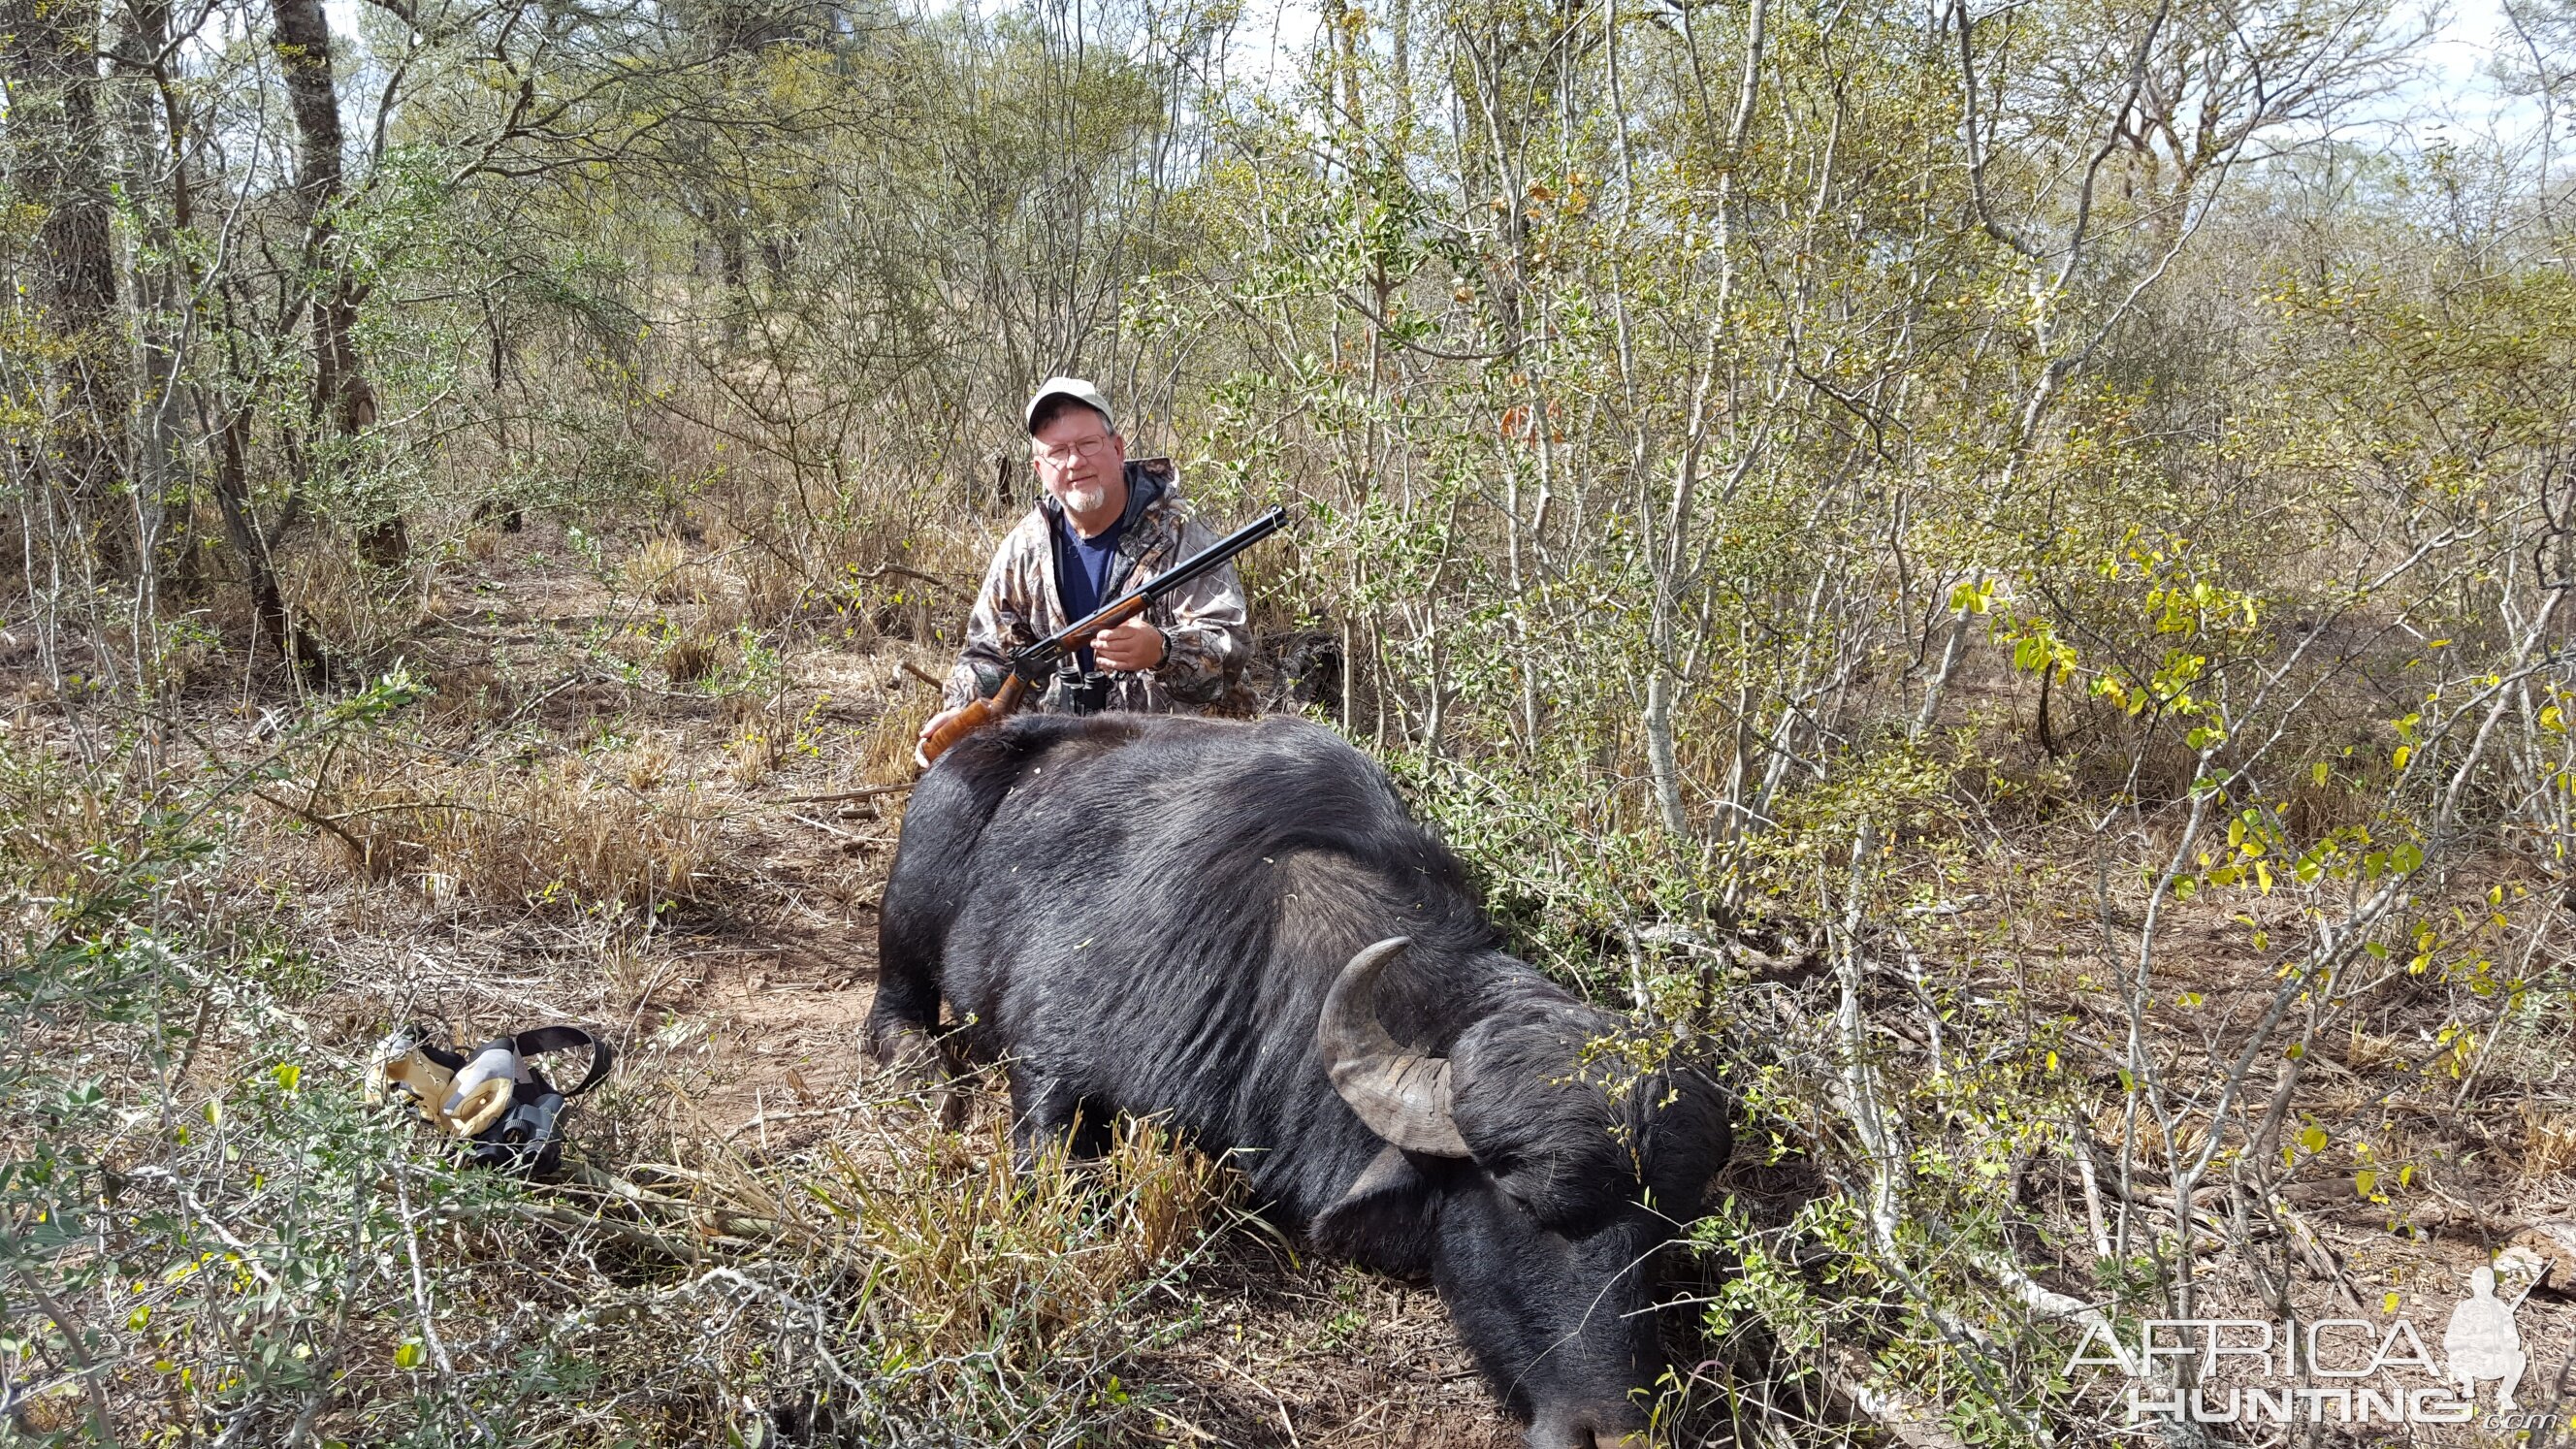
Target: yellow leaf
(2389, 1304)
(2399, 758)
(2313, 1138)
(408, 1354)
(2364, 1180)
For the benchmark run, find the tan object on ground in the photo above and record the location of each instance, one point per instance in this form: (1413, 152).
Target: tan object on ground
(400, 1064)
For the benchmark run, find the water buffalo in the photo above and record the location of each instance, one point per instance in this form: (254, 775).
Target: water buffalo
(1237, 929)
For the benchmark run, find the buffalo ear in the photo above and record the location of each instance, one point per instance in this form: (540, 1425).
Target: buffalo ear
(1382, 1218)
(1402, 1096)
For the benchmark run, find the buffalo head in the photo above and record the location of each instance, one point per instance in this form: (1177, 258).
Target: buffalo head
(1556, 1185)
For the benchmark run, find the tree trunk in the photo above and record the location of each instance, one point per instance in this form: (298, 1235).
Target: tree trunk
(341, 395)
(58, 159)
(51, 71)
(737, 280)
(259, 571)
(156, 291)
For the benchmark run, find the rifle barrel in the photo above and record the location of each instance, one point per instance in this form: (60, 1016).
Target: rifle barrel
(1042, 654)
(1216, 554)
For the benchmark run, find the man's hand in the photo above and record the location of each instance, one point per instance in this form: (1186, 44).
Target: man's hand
(919, 759)
(1131, 646)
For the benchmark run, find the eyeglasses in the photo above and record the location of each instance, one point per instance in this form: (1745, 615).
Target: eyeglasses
(1065, 457)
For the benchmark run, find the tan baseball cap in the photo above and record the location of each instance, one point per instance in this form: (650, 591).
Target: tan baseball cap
(1075, 388)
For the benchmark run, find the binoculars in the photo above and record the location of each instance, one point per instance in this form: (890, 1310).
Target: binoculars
(1081, 691)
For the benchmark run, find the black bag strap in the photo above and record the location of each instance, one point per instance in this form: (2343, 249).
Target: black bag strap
(423, 1038)
(539, 1040)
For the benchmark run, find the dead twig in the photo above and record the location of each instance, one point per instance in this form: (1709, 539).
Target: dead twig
(870, 792)
(568, 1219)
(829, 829)
(2320, 1258)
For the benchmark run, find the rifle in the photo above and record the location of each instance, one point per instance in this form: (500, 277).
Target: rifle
(1032, 665)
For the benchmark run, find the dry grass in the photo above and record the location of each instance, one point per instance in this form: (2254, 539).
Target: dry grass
(647, 763)
(693, 653)
(772, 588)
(2366, 1052)
(661, 568)
(954, 1298)
(344, 604)
(967, 1253)
(2189, 1135)
(760, 748)
(51, 825)
(467, 694)
(885, 748)
(630, 973)
(2548, 1144)
(555, 835)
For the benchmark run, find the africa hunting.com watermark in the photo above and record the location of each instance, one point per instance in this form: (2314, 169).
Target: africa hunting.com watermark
(2356, 1372)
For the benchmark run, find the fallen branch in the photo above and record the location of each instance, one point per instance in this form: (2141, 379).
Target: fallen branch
(322, 822)
(838, 796)
(851, 836)
(566, 1218)
(2320, 1258)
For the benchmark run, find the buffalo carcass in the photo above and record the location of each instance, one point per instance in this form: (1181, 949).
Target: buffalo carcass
(1236, 929)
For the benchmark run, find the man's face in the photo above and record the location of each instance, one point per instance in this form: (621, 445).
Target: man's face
(1079, 461)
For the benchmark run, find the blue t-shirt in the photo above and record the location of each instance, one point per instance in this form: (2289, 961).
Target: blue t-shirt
(1082, 570)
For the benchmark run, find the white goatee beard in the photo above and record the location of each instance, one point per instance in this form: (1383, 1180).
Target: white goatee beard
(1086, 499)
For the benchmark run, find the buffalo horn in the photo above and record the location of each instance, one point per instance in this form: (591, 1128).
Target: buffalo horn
(1402, 1096)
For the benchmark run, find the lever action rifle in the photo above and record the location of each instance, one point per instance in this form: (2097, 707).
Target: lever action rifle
(1031, 666)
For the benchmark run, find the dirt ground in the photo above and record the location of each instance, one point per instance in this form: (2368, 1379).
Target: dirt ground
(741, 1008)
(740, 1011)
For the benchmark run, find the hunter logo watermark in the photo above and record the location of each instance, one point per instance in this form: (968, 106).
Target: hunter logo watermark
(2340, 1370)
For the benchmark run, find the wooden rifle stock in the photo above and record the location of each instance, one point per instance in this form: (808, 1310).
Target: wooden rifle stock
(977, 714)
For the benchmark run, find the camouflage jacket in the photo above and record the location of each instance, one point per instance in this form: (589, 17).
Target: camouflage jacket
(1205, 638)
